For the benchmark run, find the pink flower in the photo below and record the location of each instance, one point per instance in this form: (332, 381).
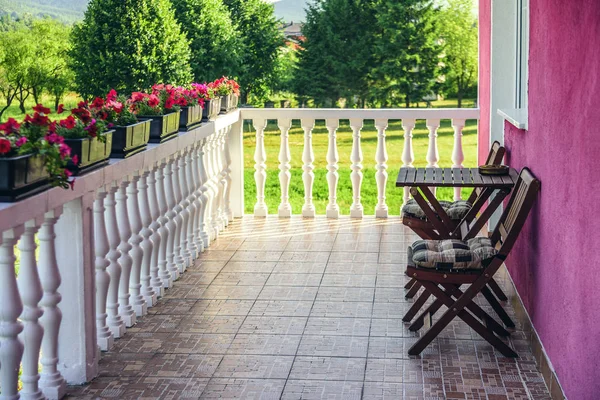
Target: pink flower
(75, 159)
(21, 141)
(112, 95)
(64, 150)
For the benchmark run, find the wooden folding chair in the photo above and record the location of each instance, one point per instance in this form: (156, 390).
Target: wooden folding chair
(444, 280)
(425, 229)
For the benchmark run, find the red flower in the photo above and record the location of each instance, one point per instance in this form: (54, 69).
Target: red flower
(4, 146)
(64, 151)
(82, 104)
(169, 103)
(83, 114)
(98, 102)
(60, 109)
(52, 127)
(138, 96)
(153, 100)
(10, 126)
(112, 95)
(53, 138)
(40, 120)
(41, 109)
(92, 129)
(68, 122)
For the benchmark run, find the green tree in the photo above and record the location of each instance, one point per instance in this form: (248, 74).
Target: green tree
(407, 51)
(214, 41)
(260, 43)
(16, 56)
(128, 45)
(459, 34)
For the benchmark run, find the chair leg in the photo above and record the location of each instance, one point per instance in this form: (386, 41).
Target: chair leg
(410, 283)
(413, 290)
(416, 306)
(420, 320)
(497, 307)
(497, 290)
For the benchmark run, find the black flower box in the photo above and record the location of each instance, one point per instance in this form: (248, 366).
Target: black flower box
(190, 117)
(211, 110)
(22, 177)
(162, 127)
(91, 152)
(129, 140)
(229, 103)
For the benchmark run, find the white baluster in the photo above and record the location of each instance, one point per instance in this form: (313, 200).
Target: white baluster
(190, 189)
(101, 263)
(155, 226)
(332, 210)
(146, 245)
(178, 259)
(52, 382)
(138, 301)
(260, 176)
(381, 176)
(458, 155)
(114, 320)
(171, 222)
(210, 188)
(183, 253)
(227, 176)
(356, 176)
(216, 182)
(408, 154)
(433, 155)
(30, 288)
(204, 199)
(285, 208)
(125, 308)
(196, 166)
(308, 176)
(11, 348)
(222, 180)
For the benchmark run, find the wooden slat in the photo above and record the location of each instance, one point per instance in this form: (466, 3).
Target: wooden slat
(411, 175)
(420, 178)
(401, 180)
(447, 176)
(457, 178)
(476, 177)
(430, 175)
(487, 180)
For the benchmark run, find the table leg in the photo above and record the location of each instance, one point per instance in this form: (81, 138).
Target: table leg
(443, 224)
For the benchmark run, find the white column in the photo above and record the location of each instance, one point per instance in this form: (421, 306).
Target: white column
(408, 154)
(164, 232)
(235, 146)
(146, 246)
(227, 176)
(125, 308)
(114, 320)
(260, 176)
(308, 176)
(333, 210)
(103, 333)
(285, 208)
(178, 260)
(356, 176)
(458, 155)
(11, 348)
(381, 175)
(138, 301)
(204, 199)
(184, 215)
(197, 185)
(170, 172)
(433, 155)
(190, 190)
(216, 182)
(155, 239)
(52, 382)
(30, 288)
(211, 190)
(223, 216)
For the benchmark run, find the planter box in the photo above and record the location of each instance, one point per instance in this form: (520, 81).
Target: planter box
(91, 152)
(22, 176)
(211, 110)
(162, 127)
(190, 117)
(229, 103)
(129, 140)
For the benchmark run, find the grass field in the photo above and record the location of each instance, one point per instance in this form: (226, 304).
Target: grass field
(70, 101)
(395, 142)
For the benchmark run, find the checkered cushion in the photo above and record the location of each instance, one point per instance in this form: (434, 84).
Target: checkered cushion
(453, 254)
(456, 210)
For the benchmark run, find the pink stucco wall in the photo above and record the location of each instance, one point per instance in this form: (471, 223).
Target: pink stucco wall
(556, 262)
(483, 132)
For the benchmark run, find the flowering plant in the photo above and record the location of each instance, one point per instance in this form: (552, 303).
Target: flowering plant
(82, 124)
(112, 110)
(38, 135)
(203, 91)
(162, 100)
(189, 97)
(225, 86)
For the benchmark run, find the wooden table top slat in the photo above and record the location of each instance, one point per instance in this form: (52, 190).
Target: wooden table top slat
(454, 177)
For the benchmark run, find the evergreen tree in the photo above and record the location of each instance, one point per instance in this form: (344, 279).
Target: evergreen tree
(260, 43)
(407, 51)
(128, 45)
(214, 40)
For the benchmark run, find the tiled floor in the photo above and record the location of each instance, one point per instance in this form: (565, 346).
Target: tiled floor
(303, 309)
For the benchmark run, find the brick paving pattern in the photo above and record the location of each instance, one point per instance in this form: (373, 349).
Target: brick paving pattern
(303, 309)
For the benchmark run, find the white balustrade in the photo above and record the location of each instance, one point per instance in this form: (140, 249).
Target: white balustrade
(177, 209)
(197, 199)
(216, 183)
(458, 155)
(103, 333)
(126, 310)
(308, 176)
(356, 176)
(212, 190)
(408, 154)
(333, 210)
(260, 176)
(222, 180)
(227, 176)
(190, 195)
(285, 208)
(147, 272)
(170, 172)
(381, 175)
(204, 195)
(138, 301)
(163, 231)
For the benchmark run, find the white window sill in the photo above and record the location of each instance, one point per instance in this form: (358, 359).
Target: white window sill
(515, 116)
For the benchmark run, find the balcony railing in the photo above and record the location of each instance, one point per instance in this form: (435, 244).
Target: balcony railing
(93, 260)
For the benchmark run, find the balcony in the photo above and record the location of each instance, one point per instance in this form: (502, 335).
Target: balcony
(149, 281)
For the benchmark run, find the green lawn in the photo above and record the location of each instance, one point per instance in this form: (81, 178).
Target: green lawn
(395, 143)
(70, 101)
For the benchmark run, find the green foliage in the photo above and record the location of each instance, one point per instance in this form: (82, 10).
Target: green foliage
(260, 43)
(128, 45)
(16, 51)
(286, 69)
(407, 51)
(214, 41)
(460, 47)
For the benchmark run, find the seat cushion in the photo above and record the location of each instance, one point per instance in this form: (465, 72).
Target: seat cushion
(456, 210)
(452, 253)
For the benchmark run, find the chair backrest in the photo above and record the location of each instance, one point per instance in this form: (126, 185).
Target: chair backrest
(514, 216)
(496, 154)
